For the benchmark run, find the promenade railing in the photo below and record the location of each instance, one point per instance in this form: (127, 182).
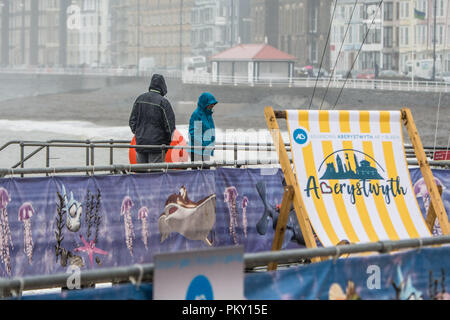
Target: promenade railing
(394, 84)
(252, 261)
(226, 154)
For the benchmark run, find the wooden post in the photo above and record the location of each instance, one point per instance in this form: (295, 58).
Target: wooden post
(431, 214)
(435, 198)
(289, 176)
(281, 223)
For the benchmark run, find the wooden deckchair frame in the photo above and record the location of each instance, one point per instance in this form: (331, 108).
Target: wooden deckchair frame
(292, 189)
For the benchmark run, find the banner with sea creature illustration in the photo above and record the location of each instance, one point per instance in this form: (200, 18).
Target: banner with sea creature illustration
(408, 275)
(442, 179)
(417, 274)
(353, 176)
(51, 224)
(250, 203)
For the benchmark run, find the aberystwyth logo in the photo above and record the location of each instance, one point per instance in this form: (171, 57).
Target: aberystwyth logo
(365, 177)
(301, 136)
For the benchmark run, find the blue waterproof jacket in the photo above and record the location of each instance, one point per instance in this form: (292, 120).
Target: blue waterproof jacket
(201, 125)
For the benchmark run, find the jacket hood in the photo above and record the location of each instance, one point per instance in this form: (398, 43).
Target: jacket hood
(158, 83)
(205, 100)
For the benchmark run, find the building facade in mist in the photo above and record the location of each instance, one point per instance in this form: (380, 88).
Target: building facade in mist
(88, 24)
(298, 27)
(219, 24)
(402, 31)
(33, 32)
(150, 28)
(416, 31)
(352, 27)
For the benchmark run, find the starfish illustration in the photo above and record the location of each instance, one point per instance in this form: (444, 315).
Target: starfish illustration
(90, 249)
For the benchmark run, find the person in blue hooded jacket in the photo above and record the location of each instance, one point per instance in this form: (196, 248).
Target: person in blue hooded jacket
(202, 129)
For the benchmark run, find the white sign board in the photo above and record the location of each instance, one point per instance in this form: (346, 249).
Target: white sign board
(211, 274)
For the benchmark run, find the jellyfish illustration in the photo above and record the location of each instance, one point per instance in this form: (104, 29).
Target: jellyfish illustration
(230, 196)
(26, 211)
(142, 215)
(421, 191)
(5, 232)
(244, 214)
(127, 204)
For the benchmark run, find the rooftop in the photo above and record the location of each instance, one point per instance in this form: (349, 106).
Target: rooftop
(253, 52)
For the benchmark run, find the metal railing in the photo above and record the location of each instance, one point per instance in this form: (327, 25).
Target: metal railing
(303, 82)
(208, 79)
(227, 149)
(144, 272)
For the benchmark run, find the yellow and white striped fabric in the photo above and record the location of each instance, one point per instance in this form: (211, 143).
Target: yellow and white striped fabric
(354, 180)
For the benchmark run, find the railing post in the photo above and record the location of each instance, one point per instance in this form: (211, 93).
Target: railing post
(91, 146)
(22, 155)
(111, 154)
(163, 152)
(47, 158)
(87, 155)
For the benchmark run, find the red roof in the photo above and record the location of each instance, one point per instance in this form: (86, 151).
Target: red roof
(253, 52)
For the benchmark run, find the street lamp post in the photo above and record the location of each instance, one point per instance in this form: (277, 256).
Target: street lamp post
(181, 35)
(138, 56)
(98, 33)
(4, 6)
(22, 33)
(434, 41)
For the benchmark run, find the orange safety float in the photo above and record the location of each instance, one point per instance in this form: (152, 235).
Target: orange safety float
(177, 155)
(132, 151)
(172, 155)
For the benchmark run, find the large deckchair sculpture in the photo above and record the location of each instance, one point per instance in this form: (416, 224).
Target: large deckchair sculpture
(350, 180)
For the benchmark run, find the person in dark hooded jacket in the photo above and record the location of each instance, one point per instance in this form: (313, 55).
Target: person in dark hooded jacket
(152, 121)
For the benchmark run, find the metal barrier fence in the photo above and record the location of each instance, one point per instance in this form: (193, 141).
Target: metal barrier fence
(303, 82)
(144, 272)
(226, 148)
(207, 79)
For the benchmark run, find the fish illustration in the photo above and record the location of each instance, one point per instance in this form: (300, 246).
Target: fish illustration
(193, 220)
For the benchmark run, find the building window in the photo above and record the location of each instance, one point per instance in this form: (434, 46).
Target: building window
(314, 14)
(387, 37)
(387, 61)
(388, 11)
(404, 36)
(313, 51)
(441, 8)
(404, 9)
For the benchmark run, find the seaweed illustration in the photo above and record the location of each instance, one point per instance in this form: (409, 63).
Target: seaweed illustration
(92, 216)
(92, 219)
(59, 250)
(433, 287)
(5, 232)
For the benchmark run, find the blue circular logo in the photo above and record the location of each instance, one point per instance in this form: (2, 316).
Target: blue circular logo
(200, 289)
(300, 136)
